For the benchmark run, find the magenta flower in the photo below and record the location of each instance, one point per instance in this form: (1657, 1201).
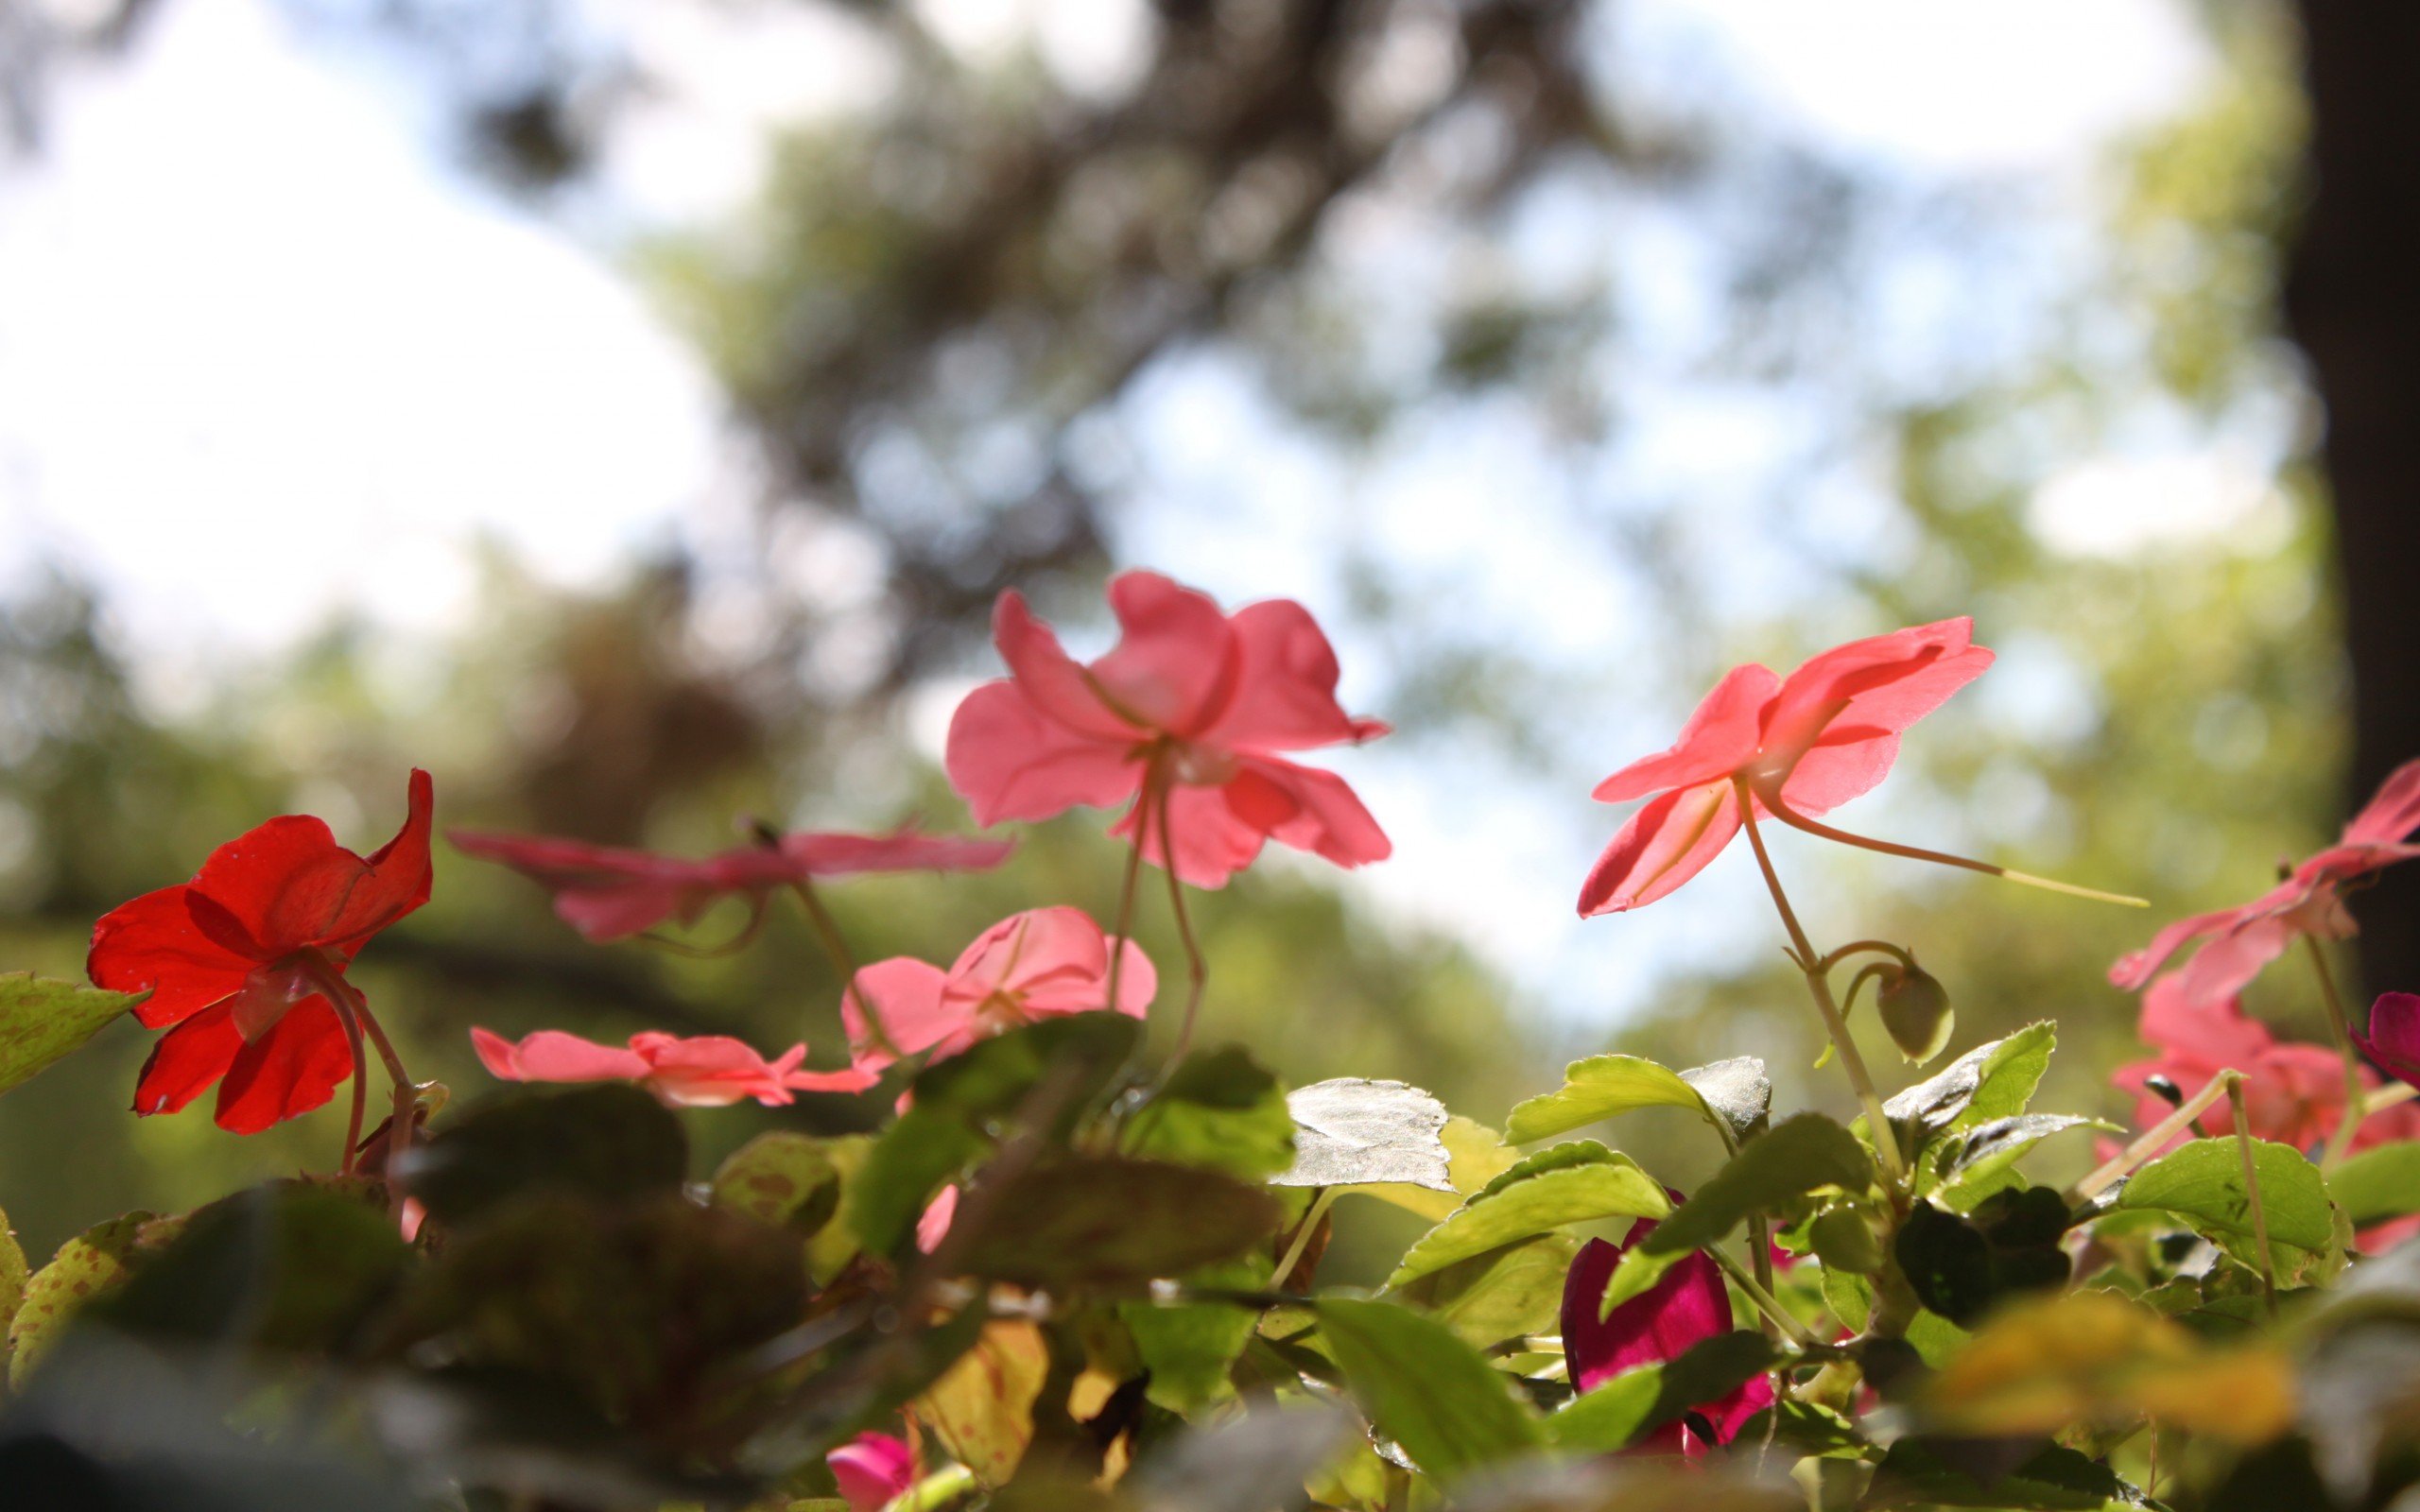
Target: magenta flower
(1191, 709)
(2393, 1040)
(1028, 966)
(1807, 742)
(873, 1470)
(608, 893)
(709, 1071)
(2311, 902)
(1687, 1305)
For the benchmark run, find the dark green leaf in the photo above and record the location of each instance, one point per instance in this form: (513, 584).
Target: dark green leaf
(1111, 1220)
(907, 1166)
(1078, 1053)
(610, 1142)
(291, 1266)
(1352, 1131)
(1961, 1267)
(783, 1179)
(1189, 1347)
(1844, 1240)
(1611, 1417)
(1426, 1389)
(1219, 1109)
(1920, 1472)
(42, 1021)
(2378, 1184)
(1576, 1182)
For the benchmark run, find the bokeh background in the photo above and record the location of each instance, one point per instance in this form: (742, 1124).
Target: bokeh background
(629, 409)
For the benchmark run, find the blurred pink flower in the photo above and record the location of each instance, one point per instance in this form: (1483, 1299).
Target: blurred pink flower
(608, 893)
(710, 1071)
(1687, 1305)
(1190, 697)
(2310, 901)
(1823, 735)
(873, 1470)
(1028, 966)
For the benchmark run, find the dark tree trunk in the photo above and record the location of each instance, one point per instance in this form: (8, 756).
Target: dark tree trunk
(2353, 300)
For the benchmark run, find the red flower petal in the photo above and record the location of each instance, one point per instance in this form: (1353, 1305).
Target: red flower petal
(287, 884)
(1663, 845)
(1719, 739)
(2394, 1036)
(293, 1068)
(186, 1061)
(152, 944)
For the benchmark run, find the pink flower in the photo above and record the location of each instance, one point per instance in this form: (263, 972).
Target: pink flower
(1814, 740)
(872, 1468)
(1027, 966)
(608, 893)
(939, 1215)
(710, 1071)
(2310, 901)
(2293, 1094)
(1688, 1305)
(2393, 1039)
(1192, 701)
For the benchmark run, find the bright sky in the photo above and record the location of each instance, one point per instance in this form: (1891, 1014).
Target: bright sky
(264, 351)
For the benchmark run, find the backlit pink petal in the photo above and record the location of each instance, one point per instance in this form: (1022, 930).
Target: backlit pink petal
(1830, 774)
(2393, 813)
(934, 1226)
(1664, 844)
(1057, 688)
(873, 1469)
(1009, 761)
(1177, 661)
(1719, 738)
(1051, 960)
(1876, 686)
(2224, 966)
(550, 1055)
(2394, 1036)
(1325, 817)
(1285, 696)
(840, 855)
(711, 1071)
(2217, 1031)
(2135, 967)
(906, 994)
(848, 1079)
(1214, 840)
(603, 915)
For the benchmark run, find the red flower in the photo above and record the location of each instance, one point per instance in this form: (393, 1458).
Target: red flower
(1027, 966)
(1191, 699)
(873, 1469)
(1689, 1304)
(710, 1071)
(608, 893)
(2293, 1094)
(2310, 901)
(231, 960)
(2393, 1040)
(1823, 735)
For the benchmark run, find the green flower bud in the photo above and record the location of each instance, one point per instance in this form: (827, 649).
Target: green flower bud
(1915, 1008)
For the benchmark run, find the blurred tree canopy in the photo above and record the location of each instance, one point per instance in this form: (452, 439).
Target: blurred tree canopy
(941, 324)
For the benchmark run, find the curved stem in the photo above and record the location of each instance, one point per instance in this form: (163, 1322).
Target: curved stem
(1891, 848)
(1303, 1232)
(1197, 969)
(1886, 1139)
(2148, 1144)
(827, 934)
(2251, 1195)
(1122, 929)
(1879, 947)
(2356, 1096)
(360, 1083)
(2388, 1096)
(355, 1008)
(1766, 1302)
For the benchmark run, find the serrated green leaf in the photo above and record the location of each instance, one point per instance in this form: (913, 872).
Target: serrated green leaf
(2203, 1183)
(1602, 1086)
(1610, 1417)
(1973, 1166)
(88, 1266)
(1432, 1394)
(1797, 1156)
(1994, 1080)
(43, 1022)
(1219, 1109)
(1576, 1182)
(1503, 1294)
(2378, 1184)
(1474, 1155)
(1352, 1131)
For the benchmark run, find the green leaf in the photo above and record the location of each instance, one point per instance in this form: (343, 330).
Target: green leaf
(1961, 1267)
(1219, 1109)
(87, 1266)
(1602, 1086)
(788, 1180)
(612, 1142)
(1512, 1291)
(1919, 1472)
(1428, 1391)
(293, 1265)
(13, 1273)
(1578, 1182)
(1190, 1347)
(2378, 1184)
(1474, 1155)
(2203, 1183)
(1798, 1156)
(1975, 1165)
(903, 1171)
(1994, 1080)
(1611, 1417)
(42, 1021)
(989, 1080)
(1352, 1131)
(1109, 1220)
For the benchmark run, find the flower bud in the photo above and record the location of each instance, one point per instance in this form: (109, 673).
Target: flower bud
(1915, 1008)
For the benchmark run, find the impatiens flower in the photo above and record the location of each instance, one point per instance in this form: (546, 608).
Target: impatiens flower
(873, 1470)
(1687, 1305)
(2393, 1040)
(710, 1071)
(608, 893)
(1191, 709)
(234, 960)
(1027, 966)
(1812, 741)
(2293, 1094)
(2311, 902)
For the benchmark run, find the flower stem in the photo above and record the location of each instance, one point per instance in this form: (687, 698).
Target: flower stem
(1891, 848)
(1766, 1302)
(2389, 1096)
(1886, 1139)
(836, 947)
(360, 1083)
(2355, 1095)
(1879, 947)
(1303, 1232)
(1122, 929)
(1197, 969)
(354, 1010)
(2148, 1144)
(2251, 1195)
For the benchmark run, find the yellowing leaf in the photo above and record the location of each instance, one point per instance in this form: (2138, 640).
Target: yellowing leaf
(982, 1408)
(1475, 1155)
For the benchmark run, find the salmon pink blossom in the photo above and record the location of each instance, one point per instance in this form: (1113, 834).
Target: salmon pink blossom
(1688, 1304)
(238, 960)
(2311, 902)
(709, 1071)
(873, 1469)
(1184, 719)
(1802, 744)
(1027, 966)
(608, 893)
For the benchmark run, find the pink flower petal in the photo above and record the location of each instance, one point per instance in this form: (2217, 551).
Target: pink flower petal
(551, 1055)
(1051, 680)
(906, 994)
(1176, 664)
(1285, 696)
(1719, 739)
(1011, 761)
(2393, 813)
(872, 1471)
(1664, 844)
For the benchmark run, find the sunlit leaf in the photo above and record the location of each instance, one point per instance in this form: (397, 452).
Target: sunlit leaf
(1994, 1080)
(88, 1266)
(982, 1407)
(1221, 1109)
(13, 1273)
(783, 1179)
(2378, 1184)
(2203, 1184)
(1578, 1182)
(1352, 1131)
(1474, 1155)
(1602, 1086)
(1426, 1389)
(1189, 1347)
(1975, 1164)
(42, 1021)
(903, 1171)
(1503, 1294)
